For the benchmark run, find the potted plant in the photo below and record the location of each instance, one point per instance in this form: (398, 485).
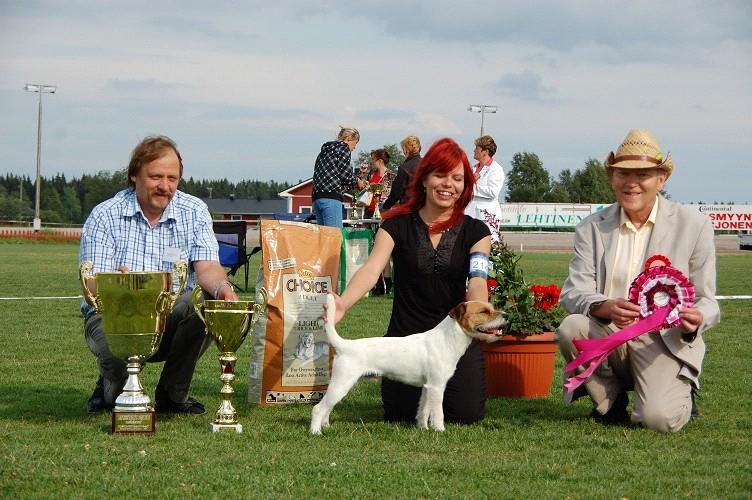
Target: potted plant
(521, 363)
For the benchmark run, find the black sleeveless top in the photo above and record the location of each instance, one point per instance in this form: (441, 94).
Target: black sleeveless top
(428, 282)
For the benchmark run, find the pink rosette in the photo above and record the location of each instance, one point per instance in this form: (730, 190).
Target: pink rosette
(661, 286)
(661, 291)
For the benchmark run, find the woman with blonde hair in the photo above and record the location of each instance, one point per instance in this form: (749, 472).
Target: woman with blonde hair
(332, 174)
(411, 149)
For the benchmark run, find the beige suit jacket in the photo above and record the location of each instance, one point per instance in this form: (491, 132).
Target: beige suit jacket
(680, 233)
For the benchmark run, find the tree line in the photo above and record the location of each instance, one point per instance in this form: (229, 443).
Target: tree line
(70, 201)
(528, 181)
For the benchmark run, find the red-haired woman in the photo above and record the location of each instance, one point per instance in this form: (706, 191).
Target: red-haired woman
(430, 240)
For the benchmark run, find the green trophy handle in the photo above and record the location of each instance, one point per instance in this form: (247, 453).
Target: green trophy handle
(166, 301)
(180, 267)
(259, 306)
(196, 297)
(85, 274)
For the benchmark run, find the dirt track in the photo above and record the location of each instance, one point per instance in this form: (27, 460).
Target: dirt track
(534, 241)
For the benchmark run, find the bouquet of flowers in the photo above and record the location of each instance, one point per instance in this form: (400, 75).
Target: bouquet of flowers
(531, 309)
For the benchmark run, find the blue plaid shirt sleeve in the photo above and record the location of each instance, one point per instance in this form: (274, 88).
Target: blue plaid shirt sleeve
(205, 246)
(98, 241)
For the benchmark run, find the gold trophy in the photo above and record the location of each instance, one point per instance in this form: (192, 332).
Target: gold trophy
(377, 189)
(134, 308)
(227, 323)
(353, 210)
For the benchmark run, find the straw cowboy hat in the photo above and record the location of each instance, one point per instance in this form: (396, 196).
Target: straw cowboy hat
(640, 150)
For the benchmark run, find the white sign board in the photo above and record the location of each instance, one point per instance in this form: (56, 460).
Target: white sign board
(728, 217)
(546, 215)
(568, 215)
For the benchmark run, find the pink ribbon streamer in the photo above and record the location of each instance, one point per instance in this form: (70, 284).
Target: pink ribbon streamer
(595, 351)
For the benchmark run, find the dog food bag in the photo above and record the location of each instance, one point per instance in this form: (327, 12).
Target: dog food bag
(290, 358)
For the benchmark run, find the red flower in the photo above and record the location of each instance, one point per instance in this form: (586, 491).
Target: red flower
(492, 284)
(546, 296)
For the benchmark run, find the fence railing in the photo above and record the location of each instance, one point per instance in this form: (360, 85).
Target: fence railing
(72, 235)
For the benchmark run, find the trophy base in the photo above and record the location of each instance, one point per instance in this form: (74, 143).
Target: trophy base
(141, 423)
(215, 427)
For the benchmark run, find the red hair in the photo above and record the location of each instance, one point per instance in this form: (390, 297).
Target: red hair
(443, 156)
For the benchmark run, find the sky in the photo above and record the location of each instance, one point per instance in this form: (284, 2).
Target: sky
(250, 90)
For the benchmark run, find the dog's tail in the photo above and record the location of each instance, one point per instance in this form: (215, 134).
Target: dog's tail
(331, 333)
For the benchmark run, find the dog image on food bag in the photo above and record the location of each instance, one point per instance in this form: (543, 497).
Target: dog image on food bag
(425, 360)
(307, 349)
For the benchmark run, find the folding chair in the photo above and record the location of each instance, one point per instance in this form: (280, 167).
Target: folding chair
(308, 217)
(230, 235)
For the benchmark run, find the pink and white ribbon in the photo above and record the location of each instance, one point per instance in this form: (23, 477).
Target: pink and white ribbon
(661, 292)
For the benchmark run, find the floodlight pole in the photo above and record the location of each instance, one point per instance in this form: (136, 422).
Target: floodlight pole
(40, 89)
(482, 109)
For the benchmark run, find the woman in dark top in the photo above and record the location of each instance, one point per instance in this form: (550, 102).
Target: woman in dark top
(430, 240)
(411, 149)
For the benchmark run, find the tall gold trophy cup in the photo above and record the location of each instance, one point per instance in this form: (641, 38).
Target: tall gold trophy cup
(227, 323)
(134, 309)
(377, 190)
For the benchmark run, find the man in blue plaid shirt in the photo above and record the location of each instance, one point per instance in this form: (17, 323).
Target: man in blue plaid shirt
(147, 227)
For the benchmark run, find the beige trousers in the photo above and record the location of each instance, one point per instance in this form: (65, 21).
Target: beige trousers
(662, 397)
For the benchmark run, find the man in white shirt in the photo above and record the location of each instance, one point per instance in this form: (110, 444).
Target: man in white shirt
(611, 248)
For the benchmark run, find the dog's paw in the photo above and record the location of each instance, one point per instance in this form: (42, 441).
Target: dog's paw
(314, 430)
(436, 425)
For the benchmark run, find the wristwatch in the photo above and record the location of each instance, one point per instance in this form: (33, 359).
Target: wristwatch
(593, 307)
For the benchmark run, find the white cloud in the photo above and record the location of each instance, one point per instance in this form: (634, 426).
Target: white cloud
(251, 90)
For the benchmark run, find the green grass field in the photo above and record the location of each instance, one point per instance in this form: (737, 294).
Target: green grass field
(524, 448)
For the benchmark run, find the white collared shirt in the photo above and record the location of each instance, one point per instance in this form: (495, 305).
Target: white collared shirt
(629, 258)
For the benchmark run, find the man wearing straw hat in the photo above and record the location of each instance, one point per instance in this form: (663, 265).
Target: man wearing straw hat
(611, 248)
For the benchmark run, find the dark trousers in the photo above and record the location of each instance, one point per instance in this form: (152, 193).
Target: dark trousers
(464, 396)
(182, 345)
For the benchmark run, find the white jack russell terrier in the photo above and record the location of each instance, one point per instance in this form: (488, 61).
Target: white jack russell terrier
(425, 360)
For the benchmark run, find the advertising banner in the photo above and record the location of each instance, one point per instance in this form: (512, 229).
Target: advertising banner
(728, 217)
(568, 215)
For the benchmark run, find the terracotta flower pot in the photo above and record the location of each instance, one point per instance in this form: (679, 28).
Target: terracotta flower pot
(520, 367)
